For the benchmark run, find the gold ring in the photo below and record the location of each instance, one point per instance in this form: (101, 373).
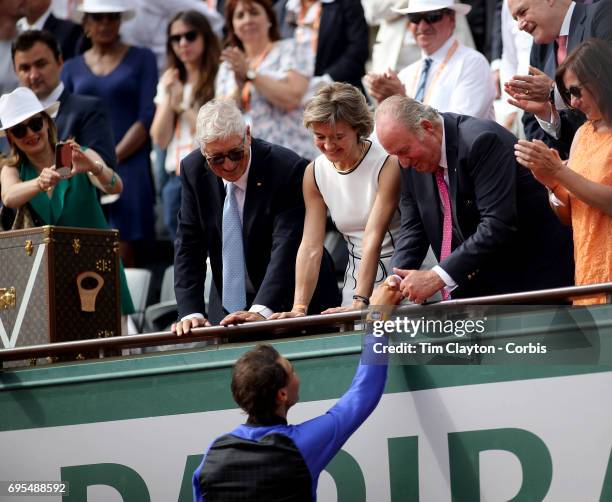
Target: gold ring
(527, 92)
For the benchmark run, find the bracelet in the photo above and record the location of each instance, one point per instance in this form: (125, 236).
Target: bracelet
(362, 299)
(112, 181)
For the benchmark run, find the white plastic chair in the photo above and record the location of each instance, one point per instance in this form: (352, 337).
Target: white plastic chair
(139, 282)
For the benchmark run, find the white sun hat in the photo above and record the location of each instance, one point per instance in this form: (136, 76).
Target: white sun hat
(124, 7)
(413, 6)
(19, 105)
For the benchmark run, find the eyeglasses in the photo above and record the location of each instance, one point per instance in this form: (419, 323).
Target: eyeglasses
(219, 158)
(431, 17)
(101, 16)
(190, 36)
(35, 124)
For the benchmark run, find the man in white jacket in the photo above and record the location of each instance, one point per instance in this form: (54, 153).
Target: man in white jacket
(449, 76)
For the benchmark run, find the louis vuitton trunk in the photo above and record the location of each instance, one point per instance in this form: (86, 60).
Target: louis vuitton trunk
(58, 284)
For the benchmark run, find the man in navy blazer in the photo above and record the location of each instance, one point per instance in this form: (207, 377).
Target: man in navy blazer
(505, 237)
(38, 62)
(342, 42)
(267, 183)
(38, 16)
(546, 21)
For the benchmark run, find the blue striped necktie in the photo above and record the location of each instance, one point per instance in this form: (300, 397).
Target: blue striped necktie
(420, 93)
(232, 252)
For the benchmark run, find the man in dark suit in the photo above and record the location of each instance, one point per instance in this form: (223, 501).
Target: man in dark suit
(38, 62)
(242, 207)
(342, 42)
(487, 220)
(557, 28)
(38, 16)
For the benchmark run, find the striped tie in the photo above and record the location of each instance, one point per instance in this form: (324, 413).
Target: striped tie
(420, 93)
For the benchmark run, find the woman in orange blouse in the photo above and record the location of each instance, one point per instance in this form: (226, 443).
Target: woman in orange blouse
(582, 189)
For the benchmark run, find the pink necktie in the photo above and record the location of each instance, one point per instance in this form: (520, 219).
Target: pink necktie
(561, 49)
(447, 225)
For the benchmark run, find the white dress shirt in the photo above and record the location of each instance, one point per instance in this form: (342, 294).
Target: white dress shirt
(464, 86)
(23, 25)
(53, 96)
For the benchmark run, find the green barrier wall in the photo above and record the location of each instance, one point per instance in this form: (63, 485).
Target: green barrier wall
(43, 408)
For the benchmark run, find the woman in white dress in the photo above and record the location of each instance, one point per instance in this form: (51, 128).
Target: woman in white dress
(359, 184)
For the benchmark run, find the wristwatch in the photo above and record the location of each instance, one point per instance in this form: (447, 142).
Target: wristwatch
(250, 74)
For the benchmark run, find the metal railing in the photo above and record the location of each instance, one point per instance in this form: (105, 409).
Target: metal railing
(291, 327)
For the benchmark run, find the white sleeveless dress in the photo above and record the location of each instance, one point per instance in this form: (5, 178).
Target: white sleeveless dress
(349, 196)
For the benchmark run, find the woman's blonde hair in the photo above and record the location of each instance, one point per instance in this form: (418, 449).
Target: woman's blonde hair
(16, 157)
(340, 102)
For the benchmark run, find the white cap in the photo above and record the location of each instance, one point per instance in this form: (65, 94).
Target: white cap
(20, 105)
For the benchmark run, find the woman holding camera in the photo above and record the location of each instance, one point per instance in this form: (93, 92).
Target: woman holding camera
(29, 175)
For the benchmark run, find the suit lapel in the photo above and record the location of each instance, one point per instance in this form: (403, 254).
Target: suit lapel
(219, 195)
(254, 194)
(62, 100)
(50, 23)
(576, 33)
(550, 63)
(450, 131)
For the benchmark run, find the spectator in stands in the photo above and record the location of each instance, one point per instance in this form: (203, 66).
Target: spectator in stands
(148, 27)
(10, 12)
(487, 220)
(482, 24)
(124, 78)
(242, 207)
(193, 54)
(449, 76)
(38, 63)
(358, 183)
(582, 188)
(557, 29)
(267, 77)
(395, 46)
(29, 178)
(516, 47)
(267, 459)
(334, 33)
(38, 16)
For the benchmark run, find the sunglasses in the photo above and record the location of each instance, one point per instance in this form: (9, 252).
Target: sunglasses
(190, 36)
(35, 124)
(234, 155)
(432, 17)
(101, 16)
(574, 90)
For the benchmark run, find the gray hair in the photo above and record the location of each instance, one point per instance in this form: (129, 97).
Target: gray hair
(408, 111)
(219, 119)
